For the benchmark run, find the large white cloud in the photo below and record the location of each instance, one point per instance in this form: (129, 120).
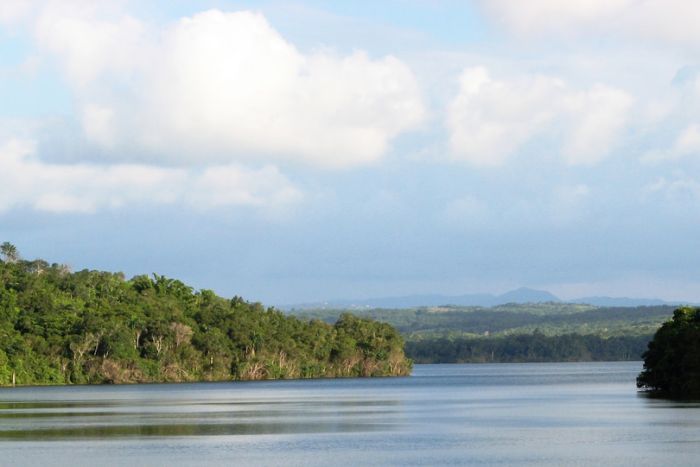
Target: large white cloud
(490, 119)
(673, 21)
(27, 182)
(226, 86)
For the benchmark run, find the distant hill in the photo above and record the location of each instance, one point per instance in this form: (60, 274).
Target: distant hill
(525, 295)
(518, 296)
(521, 295)
(510, 320)
(622, 301)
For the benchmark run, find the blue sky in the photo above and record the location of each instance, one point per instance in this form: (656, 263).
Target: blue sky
(292, 151)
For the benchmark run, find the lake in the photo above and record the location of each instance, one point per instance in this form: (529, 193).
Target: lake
(536, 414)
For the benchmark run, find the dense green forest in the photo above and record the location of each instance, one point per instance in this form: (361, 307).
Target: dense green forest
(672, 362)
(63, 327)
(535, 347)
(518, 332)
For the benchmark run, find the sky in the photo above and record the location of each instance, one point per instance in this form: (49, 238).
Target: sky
(299, 151)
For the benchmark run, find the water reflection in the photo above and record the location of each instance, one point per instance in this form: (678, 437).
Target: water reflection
(156, 413)
(175, 429)
(537, 414)
(154, 416)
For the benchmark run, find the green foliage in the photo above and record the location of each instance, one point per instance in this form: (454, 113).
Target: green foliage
(672, 361)
(517, 332)
(535, 347)
(58, 327)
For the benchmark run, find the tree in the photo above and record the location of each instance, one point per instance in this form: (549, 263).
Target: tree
(672, 362)
(9, 251)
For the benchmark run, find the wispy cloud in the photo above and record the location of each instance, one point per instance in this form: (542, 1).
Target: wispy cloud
(27, 182)
(673, 21)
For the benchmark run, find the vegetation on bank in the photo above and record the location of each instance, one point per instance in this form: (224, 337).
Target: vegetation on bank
(672, 361)
(535, 347)
(60, 327)
(533, 332)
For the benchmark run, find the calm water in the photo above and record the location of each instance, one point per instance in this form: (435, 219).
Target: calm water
(539, 414)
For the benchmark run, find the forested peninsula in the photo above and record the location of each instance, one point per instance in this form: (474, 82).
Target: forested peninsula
(92, 327)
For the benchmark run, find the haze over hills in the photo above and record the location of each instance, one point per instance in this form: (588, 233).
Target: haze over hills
(520, 295)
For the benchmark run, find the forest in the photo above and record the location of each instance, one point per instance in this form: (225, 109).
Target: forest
(63, 327)
(672, 362)
(535, 347)
(532, 332)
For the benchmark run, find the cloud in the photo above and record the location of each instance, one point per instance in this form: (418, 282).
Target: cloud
(91, 44)
(551, 16)
(489, 120)
(687, 143)
(598, 116)
(27, 182)
(14, 11)
(221, 87)
(671, 21)
(680, 189)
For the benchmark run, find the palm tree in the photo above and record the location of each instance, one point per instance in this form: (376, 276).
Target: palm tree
(9, 251)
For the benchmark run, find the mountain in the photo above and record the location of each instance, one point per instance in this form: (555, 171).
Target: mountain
(525, 295)
(521, 295)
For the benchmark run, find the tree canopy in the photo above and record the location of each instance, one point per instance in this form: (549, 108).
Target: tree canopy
(672, 361)
(59, 327)
(535, 347)
(9, 252)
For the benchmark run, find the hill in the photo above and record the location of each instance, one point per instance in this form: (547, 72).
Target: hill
(59, 327)
(522, 295)
(518, 332)
(511, 319)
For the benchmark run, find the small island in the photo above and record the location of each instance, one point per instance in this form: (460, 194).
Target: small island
(672, 362)
(94, 327)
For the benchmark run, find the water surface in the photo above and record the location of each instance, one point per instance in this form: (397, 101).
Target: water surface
(537, 414)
